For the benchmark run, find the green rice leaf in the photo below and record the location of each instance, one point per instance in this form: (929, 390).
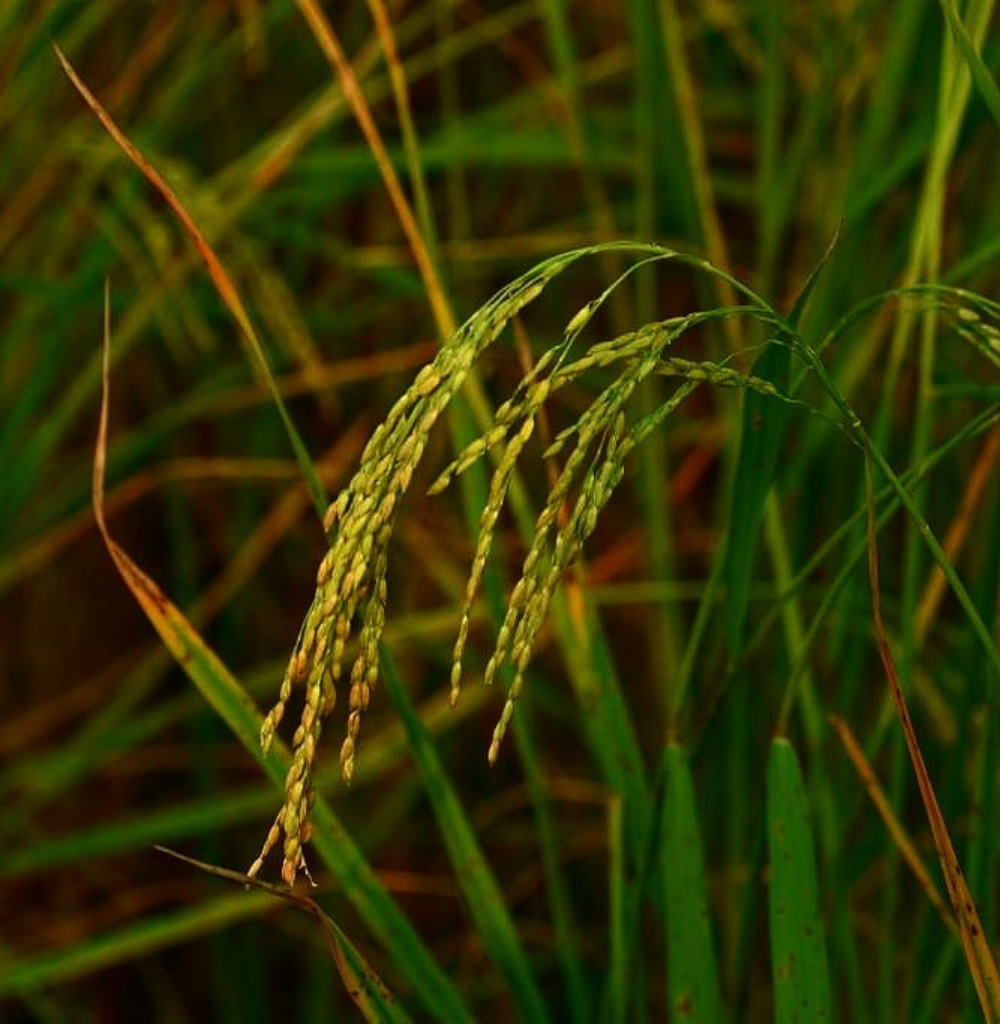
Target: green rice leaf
(692, 974)
(475, 878)
(760, 442)
(981, 74)
(798, 942)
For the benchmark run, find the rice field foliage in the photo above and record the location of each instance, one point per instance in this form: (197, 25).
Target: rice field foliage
(600, 405)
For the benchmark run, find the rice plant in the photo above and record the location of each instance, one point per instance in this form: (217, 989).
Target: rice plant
(664, 584)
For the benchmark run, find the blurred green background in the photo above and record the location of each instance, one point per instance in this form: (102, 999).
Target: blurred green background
(750, 133)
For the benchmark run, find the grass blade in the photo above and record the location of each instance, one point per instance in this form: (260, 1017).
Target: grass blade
(565, 925)
(981, 74)
(475, 878)
(334, 53)
(365, 987)
(617, 992)
(236, 708)
(760, 441)
(224, 284)
(692, 974)
(905, 845)
(978, 954)
(798, 944)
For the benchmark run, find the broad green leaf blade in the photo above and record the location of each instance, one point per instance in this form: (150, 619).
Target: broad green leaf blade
(798, 941)
(484, 898)
(692, 974)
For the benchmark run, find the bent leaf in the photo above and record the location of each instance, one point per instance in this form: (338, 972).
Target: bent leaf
(236, 708)
(364, 986)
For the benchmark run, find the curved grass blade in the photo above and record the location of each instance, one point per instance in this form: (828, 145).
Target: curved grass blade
(798, 944)
(199, 817)
(608, 725)
(907, 848)
(364, 986)
(981, 74)
(236, 708)
(856, 430)
(692, 973)
(224, 284)
(332, 49)
(475, 878)
(978, 954)
(617, 984)
(760, 441)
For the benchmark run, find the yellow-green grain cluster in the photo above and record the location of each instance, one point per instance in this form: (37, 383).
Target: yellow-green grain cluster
(350, 592)
(351, 582)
